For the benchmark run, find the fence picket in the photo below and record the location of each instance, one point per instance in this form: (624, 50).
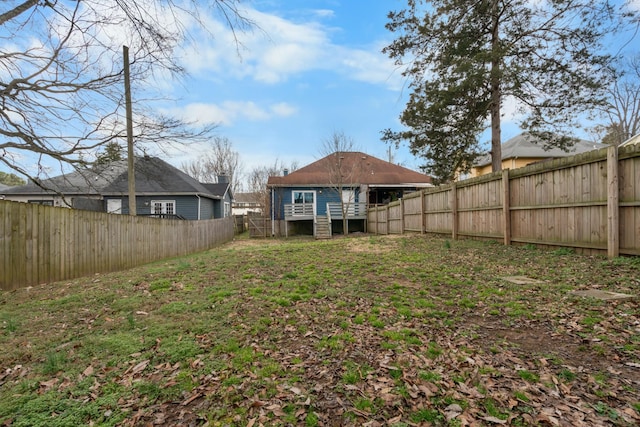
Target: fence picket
(568, 202)
(40, 244)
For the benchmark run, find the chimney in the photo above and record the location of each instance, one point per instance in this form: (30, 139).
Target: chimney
(285, 172)
(223, 179)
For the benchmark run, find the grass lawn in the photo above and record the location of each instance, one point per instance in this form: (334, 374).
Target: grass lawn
(365, 330)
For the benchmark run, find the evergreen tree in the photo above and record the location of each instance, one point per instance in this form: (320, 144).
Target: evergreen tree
(112, 152)
(464, 59)
(11, 179)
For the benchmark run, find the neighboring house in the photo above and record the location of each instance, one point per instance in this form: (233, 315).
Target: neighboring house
(633, 140)
(307, 200)
(243, 203)
(522, 150)
(222, 192)
(161, 190)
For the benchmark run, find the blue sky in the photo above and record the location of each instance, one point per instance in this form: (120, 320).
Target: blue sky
(311, 69)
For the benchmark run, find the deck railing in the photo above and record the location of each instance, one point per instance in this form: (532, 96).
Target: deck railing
(355, 210)
(294, 211)
(298, 211)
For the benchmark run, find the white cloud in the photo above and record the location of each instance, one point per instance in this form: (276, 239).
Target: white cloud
(324, 13)
(279, 49)
(229, 112)
(283, 109)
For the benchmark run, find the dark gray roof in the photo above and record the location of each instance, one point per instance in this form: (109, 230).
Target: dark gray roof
(3, 187)
(217, 189)
(152, 175)
(525, 145)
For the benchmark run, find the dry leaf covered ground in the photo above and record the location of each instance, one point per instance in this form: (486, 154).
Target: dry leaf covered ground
(367, 330)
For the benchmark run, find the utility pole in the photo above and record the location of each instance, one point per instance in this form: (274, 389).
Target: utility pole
(130, 159)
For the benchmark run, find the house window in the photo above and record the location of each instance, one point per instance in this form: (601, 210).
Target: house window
(163, 207)
(114, 206)
(42, 202)
(304, 203)
(227, 209)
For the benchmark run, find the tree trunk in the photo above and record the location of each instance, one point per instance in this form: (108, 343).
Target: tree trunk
(496, 95)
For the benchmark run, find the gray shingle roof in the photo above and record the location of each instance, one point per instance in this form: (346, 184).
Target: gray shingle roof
(152, 175)
(524, 145)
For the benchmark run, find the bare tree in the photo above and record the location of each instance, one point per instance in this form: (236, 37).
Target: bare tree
(61, 75)
(343, 172)
(622, 108)
(258, 177)
(220, 160)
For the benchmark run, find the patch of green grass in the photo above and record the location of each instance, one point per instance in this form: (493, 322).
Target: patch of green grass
(529, 376)
(590, 320)
(521, 396)
(10, 324)
(335, 342)
(353, 373)
(492, 409)
(605, 410)
(311, 420)
(251, 323)
(54, 362)
(179, 348)
(430, 376)
(364, 404)
(375, 322)
(160, 285)
(433, 350)
(426, 416)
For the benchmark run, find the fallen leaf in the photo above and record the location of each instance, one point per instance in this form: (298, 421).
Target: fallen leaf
(494, 420)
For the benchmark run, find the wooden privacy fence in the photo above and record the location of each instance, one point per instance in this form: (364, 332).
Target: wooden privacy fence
(40, 244)
(590, 202)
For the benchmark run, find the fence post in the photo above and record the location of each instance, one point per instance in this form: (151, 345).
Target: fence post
(454, 211)
(613, 206)
(388, 219)
(401, 216)
(423, 216)
(377, 221)
(506, 207)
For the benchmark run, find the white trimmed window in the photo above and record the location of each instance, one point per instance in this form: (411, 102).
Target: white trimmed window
(163, 207)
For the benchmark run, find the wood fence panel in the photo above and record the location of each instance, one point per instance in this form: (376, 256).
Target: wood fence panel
(480, 208)
(629, 177)
(394, 212)
(565, 202)
(437, 210)
(413, 212)
(41, 244)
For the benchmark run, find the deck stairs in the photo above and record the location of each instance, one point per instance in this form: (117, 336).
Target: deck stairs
(323, 227)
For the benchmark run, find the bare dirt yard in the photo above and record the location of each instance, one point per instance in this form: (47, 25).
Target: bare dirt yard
(354, 331)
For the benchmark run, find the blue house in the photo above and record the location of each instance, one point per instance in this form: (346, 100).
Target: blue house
(332, 195)
(162, 191)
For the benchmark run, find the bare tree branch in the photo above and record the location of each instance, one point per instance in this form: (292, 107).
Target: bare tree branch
(61, 76)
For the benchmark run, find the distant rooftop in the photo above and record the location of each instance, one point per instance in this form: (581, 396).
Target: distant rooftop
(369, 170)
(525, 145)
